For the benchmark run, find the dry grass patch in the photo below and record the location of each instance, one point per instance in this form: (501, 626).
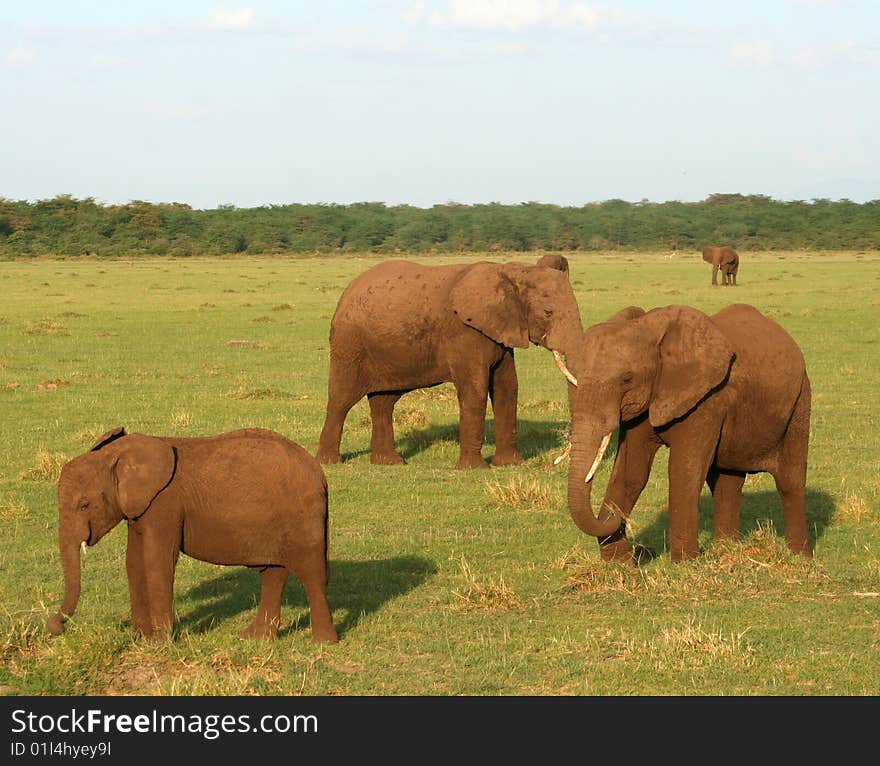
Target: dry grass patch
(244, 343)
(409, 419)
(45, 327)
(47, 467)
(491, 596)
(441, 393)
(52, 385)
(854, 508)
(755, 565)
(520, 493)
(687, 647)
(12, 509)
(88, 436)
(249, 393)
(181, 420)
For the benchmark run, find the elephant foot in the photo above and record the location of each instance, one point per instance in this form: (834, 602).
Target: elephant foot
(324, 634)
(262, 631)
(471, 461)
(618, 551)
(386, 458)
(327, 457)
(507, 457)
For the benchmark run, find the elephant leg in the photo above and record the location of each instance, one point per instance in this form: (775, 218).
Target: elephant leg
(472, 392)
(715, 274)
(311, 570)
(159, 560)
(503, 391)
(689, 461)
(632, 467)
(382, 450)
(726, 488)
(733, 276)
(268, 618)
(791, 476)
(344, 391)
(134, 567)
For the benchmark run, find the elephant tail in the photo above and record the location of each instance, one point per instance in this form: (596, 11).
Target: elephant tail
(326, 534)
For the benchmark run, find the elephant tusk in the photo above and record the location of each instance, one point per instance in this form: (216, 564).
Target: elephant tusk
(564, 455)
(563, 369)
(82, 547)
(599, 455)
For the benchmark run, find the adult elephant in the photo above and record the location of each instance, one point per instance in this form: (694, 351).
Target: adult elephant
(728, 394)
(401, 326)
(724, 258)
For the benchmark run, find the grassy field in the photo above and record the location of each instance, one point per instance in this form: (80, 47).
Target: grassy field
(443, 582)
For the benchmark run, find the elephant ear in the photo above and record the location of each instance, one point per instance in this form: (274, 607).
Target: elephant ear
(695, 358)
(106, 438)
(143, 467)
(487, 299)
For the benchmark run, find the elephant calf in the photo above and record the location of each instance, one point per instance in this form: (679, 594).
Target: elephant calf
(249, 497)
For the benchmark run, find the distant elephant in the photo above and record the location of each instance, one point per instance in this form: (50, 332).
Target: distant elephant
(554, 261)
(247, 497)
(401, 326)
(724, 258)
(728, 394)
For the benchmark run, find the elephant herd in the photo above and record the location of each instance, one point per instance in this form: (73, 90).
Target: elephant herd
(728, 394)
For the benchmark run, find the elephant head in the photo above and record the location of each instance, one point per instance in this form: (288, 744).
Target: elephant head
(663, 363)
(117, 479)
(516, 304)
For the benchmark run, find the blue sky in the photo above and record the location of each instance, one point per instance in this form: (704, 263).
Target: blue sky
(423, 102)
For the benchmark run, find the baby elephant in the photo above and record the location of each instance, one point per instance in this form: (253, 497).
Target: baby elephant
(247, 497)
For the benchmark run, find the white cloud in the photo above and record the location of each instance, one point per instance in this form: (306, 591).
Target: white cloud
(754, 53)
(19, 57)
(520, 15)
(232, 18)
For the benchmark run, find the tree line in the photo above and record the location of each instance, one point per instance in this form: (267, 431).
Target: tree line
(66, 226)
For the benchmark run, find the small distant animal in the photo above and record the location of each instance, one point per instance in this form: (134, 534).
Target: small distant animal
(724, 258)
(670, 256)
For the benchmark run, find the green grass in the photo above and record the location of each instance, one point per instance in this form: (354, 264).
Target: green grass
(442, 582)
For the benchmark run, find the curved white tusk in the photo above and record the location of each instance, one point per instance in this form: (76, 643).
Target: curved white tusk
(564, 455)
(563, 369)
(82, 547)
(599, 455)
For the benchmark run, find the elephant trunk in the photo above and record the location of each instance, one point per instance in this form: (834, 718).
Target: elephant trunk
(586, 454)
(70, 544)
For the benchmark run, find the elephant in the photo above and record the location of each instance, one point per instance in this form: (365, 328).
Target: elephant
(728, 394)
(554, 261)
(724, 258)
(400, 326)
(249, 497)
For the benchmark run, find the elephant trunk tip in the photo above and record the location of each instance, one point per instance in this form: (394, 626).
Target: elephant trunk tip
(55, 624)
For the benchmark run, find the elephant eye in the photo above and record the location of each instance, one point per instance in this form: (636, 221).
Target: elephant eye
(84, 505)
(548, 312)
(626, 377)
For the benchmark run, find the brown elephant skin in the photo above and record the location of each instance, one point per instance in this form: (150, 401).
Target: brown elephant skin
(249, 497)
(401, 326)
(724, 258)
(728, 394)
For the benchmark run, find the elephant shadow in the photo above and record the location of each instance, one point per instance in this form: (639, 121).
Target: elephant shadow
(355, 589)
(535, 437)
(757, 509)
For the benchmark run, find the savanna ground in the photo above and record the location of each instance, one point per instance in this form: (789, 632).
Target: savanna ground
(442, 582)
